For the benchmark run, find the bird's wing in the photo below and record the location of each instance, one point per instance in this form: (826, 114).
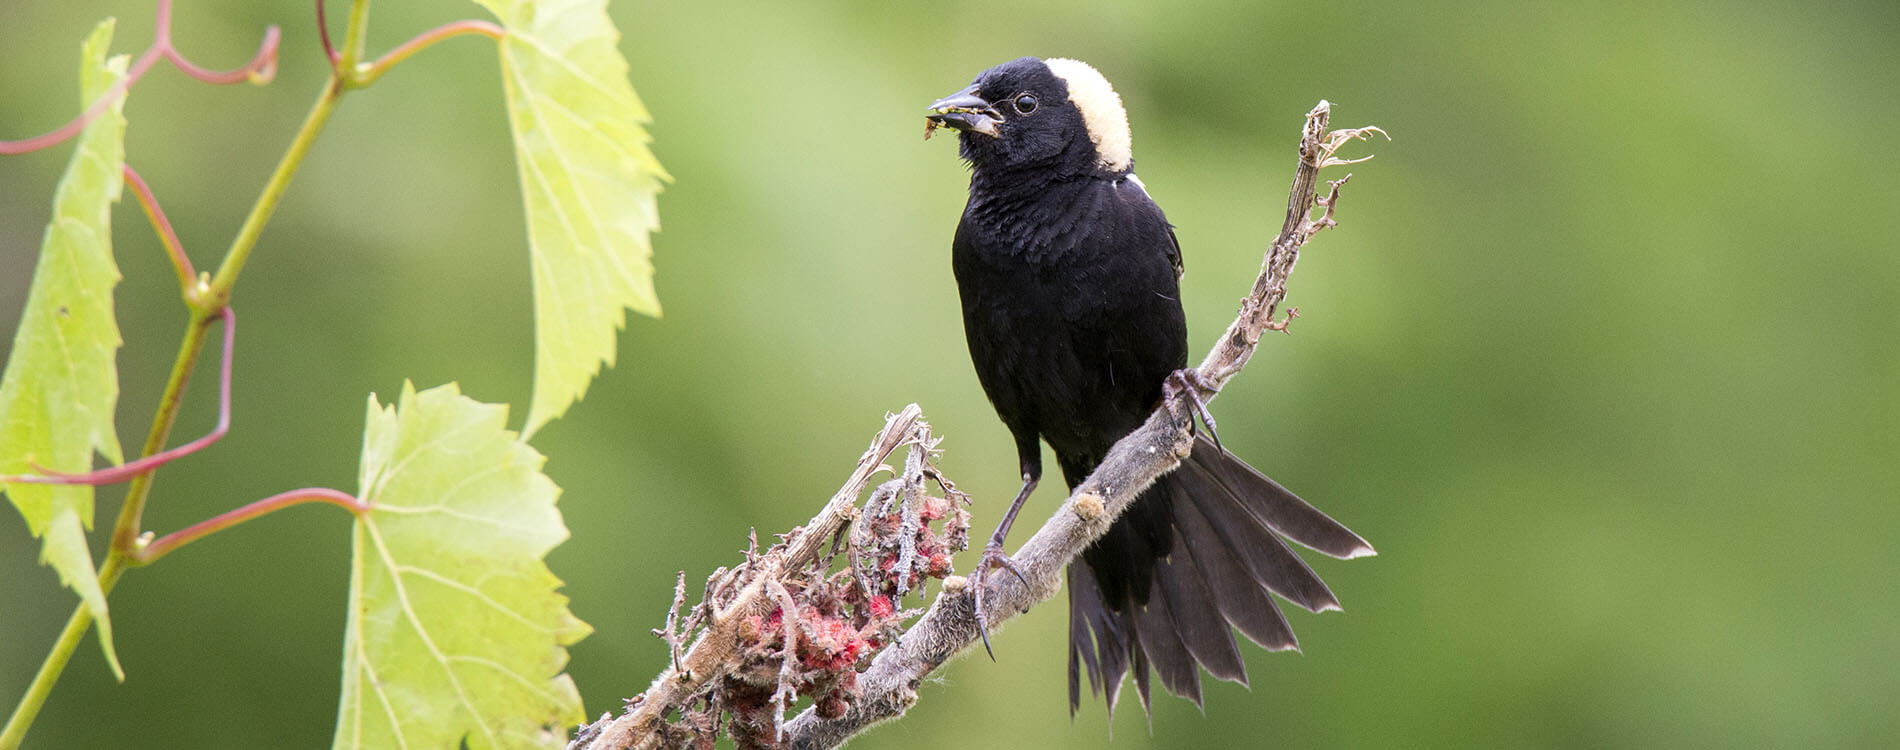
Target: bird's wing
(1174, 253)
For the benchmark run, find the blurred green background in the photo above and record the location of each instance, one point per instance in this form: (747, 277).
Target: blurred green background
(1603, 357)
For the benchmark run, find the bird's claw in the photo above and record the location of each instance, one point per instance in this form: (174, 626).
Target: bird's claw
(1189, 382)
(993, 558)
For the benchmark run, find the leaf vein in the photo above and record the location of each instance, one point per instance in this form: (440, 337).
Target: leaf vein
(415, 621)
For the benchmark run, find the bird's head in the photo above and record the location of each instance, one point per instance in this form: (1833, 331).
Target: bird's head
(1029, 113)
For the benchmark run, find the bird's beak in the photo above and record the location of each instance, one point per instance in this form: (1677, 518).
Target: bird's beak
(964, 111)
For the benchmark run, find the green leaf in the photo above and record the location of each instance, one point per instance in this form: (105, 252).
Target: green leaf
(62, 384)
(588, 180)
(455, 629)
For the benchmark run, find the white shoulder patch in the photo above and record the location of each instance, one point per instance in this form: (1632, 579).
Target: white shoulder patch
(1101, 110)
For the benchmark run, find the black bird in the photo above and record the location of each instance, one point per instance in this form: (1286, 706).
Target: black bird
(1070, 280)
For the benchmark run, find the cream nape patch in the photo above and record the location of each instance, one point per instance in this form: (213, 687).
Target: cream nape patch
(1101, 110)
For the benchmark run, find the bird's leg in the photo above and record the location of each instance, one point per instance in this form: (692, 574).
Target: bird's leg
(993, 556)
(1189, 382)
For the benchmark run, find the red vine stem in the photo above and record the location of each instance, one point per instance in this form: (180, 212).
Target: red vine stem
(323, 32)
(369, 73)
(259, 70)
(211, 299)
(126, 471)
(187, 276)
(166, 544)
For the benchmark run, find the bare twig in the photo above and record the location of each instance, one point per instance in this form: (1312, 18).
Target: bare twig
(671, 633)
(889, 686)
(787, 689)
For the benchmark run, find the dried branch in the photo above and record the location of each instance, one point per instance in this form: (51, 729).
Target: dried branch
(737, 601)
(890, 685)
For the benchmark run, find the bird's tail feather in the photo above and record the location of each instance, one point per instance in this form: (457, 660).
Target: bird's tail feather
(1198, 551)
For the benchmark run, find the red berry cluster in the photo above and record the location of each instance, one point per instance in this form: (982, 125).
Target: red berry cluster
(834, 630)
(897, 550)
(840, 619)
(824, 625)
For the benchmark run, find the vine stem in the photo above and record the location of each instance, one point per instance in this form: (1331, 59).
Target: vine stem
(208, 305)
(259, 70)
(218, 293)
(150, 552)
(125, 530)
(181, 263)
(368, 74)
(208, 301)
(211, 302)
(36, 693)
(116, 564)
(125, 471)
(124, 536)
(323, 34)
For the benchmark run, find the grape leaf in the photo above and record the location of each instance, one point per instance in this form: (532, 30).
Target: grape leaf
(62, 384)
(588, 181)
(455, 631)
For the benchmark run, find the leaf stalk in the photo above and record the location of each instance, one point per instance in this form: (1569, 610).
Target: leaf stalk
(151, 551)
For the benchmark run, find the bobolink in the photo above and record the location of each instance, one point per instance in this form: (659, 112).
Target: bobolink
(1069, 277)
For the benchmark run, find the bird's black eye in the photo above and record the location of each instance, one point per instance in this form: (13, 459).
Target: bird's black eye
(1025, 103)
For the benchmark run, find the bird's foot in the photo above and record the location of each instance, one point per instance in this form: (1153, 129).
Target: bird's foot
(992, 559)
(1188, 382)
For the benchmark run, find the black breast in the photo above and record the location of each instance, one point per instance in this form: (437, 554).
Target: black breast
(1072, 310)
